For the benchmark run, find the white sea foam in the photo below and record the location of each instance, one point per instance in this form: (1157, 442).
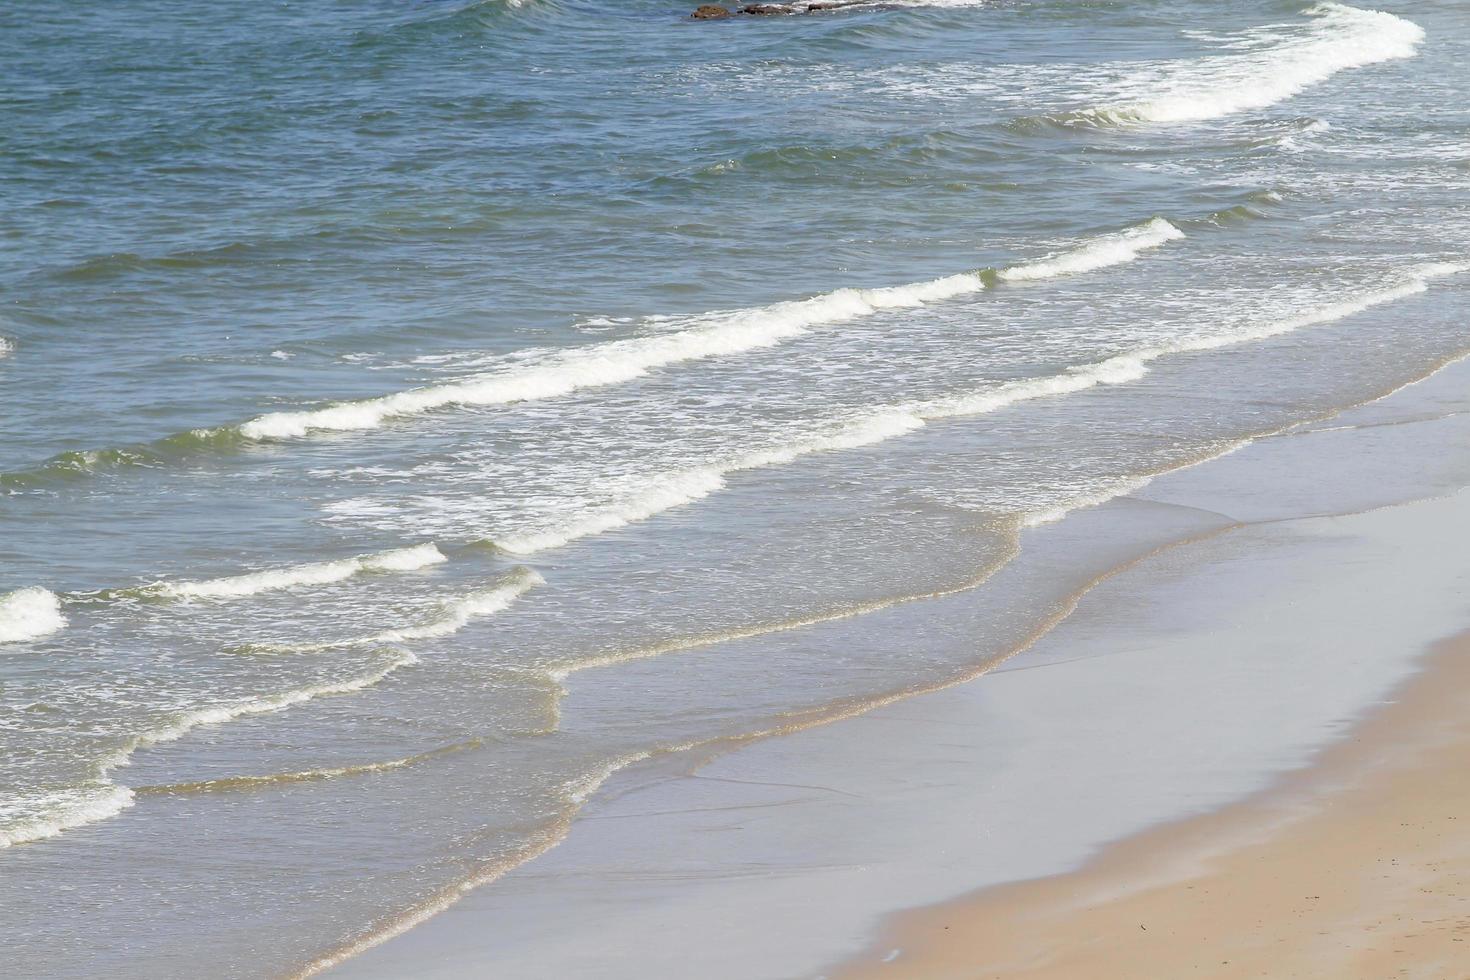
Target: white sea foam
(457, 613)
(1094, 498)
(1340, 37)
(6, 346)
(219, 714)
(39, 817)
(29, 613)
(316, 573)
(716, 334)
(661, 493)
(1415, 281)
(1108, 250)
(42, 816)
(681, 488)
(452, 616)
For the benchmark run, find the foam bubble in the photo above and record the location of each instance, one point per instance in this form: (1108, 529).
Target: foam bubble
(29, 613)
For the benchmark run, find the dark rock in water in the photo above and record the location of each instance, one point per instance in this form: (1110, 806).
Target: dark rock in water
(712, 12)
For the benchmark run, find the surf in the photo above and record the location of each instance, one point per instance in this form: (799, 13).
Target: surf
(707, 335)
(1294, 58)
(677, 489)
(29, 614)
(316, 573)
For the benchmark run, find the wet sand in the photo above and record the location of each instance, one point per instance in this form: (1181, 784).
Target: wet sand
(1358, 867)
(1205, 734)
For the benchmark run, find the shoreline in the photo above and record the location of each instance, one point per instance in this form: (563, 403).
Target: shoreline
(657, 823)
(1358, 866)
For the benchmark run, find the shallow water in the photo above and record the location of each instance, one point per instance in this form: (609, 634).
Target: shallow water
(371, 368)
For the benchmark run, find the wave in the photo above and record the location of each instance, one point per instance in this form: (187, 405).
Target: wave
(574, 793)
(62, 811)
(672, 490)
(6, 347)
(677, 489)
(68, 809)
(715, 334)
(317, 573)
(559, 674)
(29, 613)
(1339, 37)
(160, 452)
(661, 493)
(550, 373)
(452, 617)
(220, 714)
(457, 613)
(1415, 281)
(233, 783)
(1108, 250)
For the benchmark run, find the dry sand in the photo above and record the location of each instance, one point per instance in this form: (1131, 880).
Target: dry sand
(1358, 867)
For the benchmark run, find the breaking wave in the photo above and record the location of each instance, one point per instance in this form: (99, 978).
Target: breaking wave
(317, 573)
(1108, 250)
(43, 816)
(59, 812)
(677, 489)
(1338, 38)
(709, 335)
(453, 616)
(550, 374)
(29, 613)
(457, 613)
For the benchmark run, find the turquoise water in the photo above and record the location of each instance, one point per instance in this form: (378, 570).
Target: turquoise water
(375, 373)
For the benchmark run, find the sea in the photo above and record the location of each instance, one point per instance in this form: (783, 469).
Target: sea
(415, 412)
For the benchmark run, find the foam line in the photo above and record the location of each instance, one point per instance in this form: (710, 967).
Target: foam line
(680, 488)
(317, 573)
(453, 616)
(1117, 249)
(75, 808)
(63, 811)
(708, 335)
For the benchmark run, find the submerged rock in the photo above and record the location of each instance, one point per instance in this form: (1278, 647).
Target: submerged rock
(709, 11)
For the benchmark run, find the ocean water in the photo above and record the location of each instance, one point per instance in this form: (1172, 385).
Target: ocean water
(376, 374)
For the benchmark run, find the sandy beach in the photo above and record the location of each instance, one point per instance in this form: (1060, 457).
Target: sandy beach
(1357, 868)
(544, 490)
(1238, 754)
